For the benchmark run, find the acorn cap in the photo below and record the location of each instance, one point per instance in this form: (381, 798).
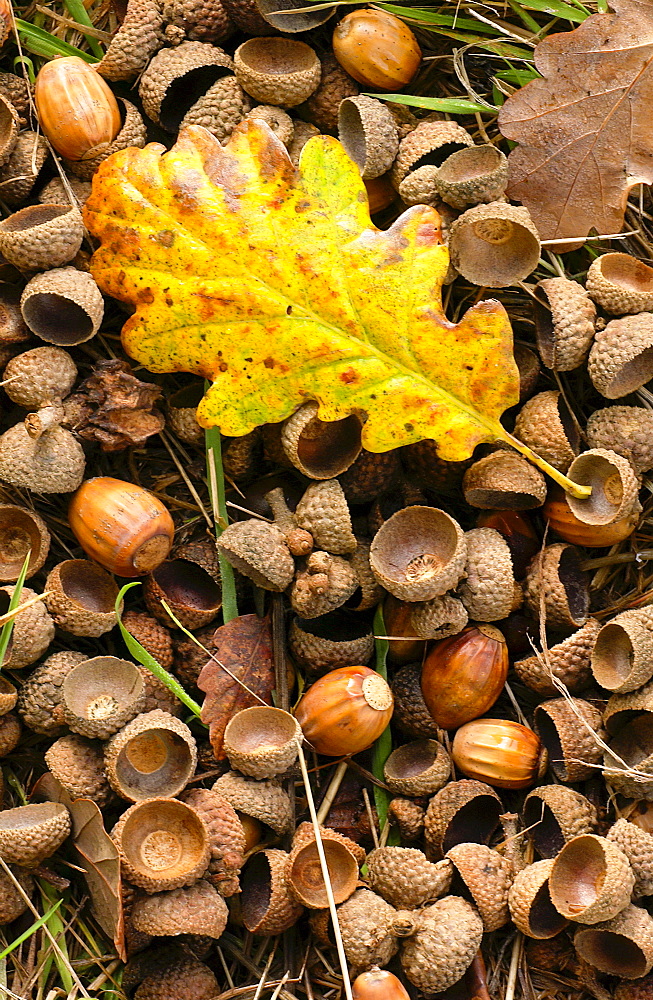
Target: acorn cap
(133, 132)
(487, 877)
(622, 658)
(545, 424)
(419, 188)
(408, 815)
(330, 641)
(206, 21)
(591, 880)
(258, 550)
(153, 636)
(368, 133)
(262, 741)
(284, 15)
(505, 480)
(266, 902)
(431, 141)
(323, 511)
(78, 764)
(637, 845)
(632, 747)
(410, 712)
(460, 811)
(554, 814)
(472, 175)
(220, 109)
(38, 376)
(246, 15)
(531, 909)
(620, 284)
(495, 245)
(622, 946)
(32, 633)
(12, 902)
(82, 599)
(101, 695)
(418, 553)
(448, 937)
(304, 869)
(323, 584)
(488, 587)
(320, 449)
(10, 730)
(418, 768)
(22, 169)
(305, 834)
(366, 925)
(621, 359)
(176, 78)
(39, 698)
(53, 462)
(59, 192)
(276, 118)
(302, 132)
(556, 573)
(17, 91)
(568, 661)
(262, 800)
(195, 909)
(178, 978)
(63, 306)
(226, 838)
(29, 834)
(191, 593)
(439, 618)
(21, 531)
(564, 323)
(8, 697)
(41, 236)
(154, 755)
(614, 487)
(404, 877)
(626, 430)
(572, 746)
(369, 592)
(369, 475)
(280, 71)
(139, 36)
(623, 708)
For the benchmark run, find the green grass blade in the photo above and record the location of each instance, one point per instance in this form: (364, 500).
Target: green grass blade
(215, 474)
(383, 746)
(42, 43)
(25, 61)
(30, 930)
(147, 660)
(8, 627)
(450, 105)
(79, 13)
(557, 8)
(56, 926)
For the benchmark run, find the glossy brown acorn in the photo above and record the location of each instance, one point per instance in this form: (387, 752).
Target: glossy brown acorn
(76, 108)
(378, 984)
(377, 49)
(464, 674)
(396, 615)
(592, 536)
(345, 711)
(122, 526)
(500, 752)
(518, 532)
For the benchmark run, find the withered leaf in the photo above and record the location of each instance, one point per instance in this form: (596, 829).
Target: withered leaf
(244, 647)
(584, 130)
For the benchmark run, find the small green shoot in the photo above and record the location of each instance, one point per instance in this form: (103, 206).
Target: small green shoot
(8, 627)
(42, 43)
(26, 62)
(217, 492)
(57, 929)
(79, 13)
(30, 930)
(450, 105)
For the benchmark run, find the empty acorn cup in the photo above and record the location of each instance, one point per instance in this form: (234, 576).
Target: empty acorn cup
(622, 946)
(368, 133)
(591, 880)
(304, 872)
(418, 768)
(188, 589)
(621, 358)
(280, 71)
(556, 574)
(21, 531)
(83, 597)
(63, 306)
(154, 755)
(181, 414)
(318, 448)
(267, 904)
(504, 480)
(564, 323)
(630, 759)
(554, 814)
(494, 245)
(622, 658)
(472, 175)
(529, 900)
(176, 77)
(418, 553)
(41, 236)
(567, 728)
(163, 844)
(29, 834)
(621, 284)
(101, 695)
(336, 639)
(262, 741)
(461, 812)
(614, 486)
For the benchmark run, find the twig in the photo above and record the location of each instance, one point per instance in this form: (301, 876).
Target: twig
(332, 791)
(514, 965)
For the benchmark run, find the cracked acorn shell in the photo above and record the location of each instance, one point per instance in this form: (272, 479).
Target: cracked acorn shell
(304, 870)
(262, 800)
(368, 133)
(418, 768)
(404, 877)
(461, 812)
(505, 480)
(620, 284)
(555, 572)
(140, 35)
(571, 746)
(39, 697)
(545, 424)
(564, 323)
(279, 71)
(63, 306)
(101, 695)
(622, 658)
(329, 641)
(76, 108)
(266, 902)
(488, 587)
(38, 376)
(449, 934)
(220, 109)
(494, 245)
(226, 838)
(262, 741)
(529, 900)
(41, 237)
(637, 845)
(626, 430)
(176, 78)
(487, 877)
(22, 169)
(439, 618)
(621, 359)
(12, 903)
(194, 909)
(410, 712)
(366, 923)
(432, 142)
(21, 531)
(83, 597)
(568, 661)
(154, 755)
(29, 834)
(132, 132)
(418, 553)
(622, 946)
(472, 175)
(320, 449)
(345, 711)
(163, 844)
(78, 765)
(323, 511)
(614, 487)
(591, 880)
(258, 550)
(32, 633)
(324, 583)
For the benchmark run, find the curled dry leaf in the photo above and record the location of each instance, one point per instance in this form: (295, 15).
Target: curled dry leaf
(244, 648)
(584, 129)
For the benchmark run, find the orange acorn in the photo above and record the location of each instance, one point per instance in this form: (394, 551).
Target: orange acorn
(345, 711)
(76, 107)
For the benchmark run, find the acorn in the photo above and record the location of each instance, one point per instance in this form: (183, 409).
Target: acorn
(259, 551)
(506, 480)
(516, 528)
(276, 70)
(302, 132)
(321, 108)
(176, 978)
(432, 142)
(121, 525)
(566, 728)
(622, 946)
(418, 187)
(322, 584)
(418, 768)
(220, 109)
(378, 984)
(473, 175)
(448, 936)
(591, 880)
(499, 751)
(406, 645)
(554, 814)
(202, 22)
(564, 323)
(78, 765)
(36, 377)
(377, 49)
(191, 592)
(23, 168)
(488, 590)
(345, 711)
(631, 749)
(623, 708)
(10, 732)
(13, 902)
(8, 697)
(626, 430)
(63, 306)
(154, 755)
(404, 877)
(323, 511)
(153, 636)
(529, 900)
(556, 581)
(77, 110)
(565, 524)
(408, 816)
(438, 618)
(621, 359)
(132, 132)
(620, 284)
(29, 834)
(266, 902)
(304, 869)
(284, 16)
(18, 92)
(276, 118)
(462, 811)
(194, 909)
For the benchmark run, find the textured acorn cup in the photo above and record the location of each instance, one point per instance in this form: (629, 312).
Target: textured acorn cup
(318, 448)
(63, 306)
(486, 876)
(190, 592)
(83, 597)
(494, 245)
(32, 633)
(613, 482)
(568, 661)
(620, 284)
(279, 71)
(266, 902)
(262, 741)
(621, 359)
(8, 128)
(633, 746)
(330, 641)
(504, 480)
(418, 553)
(404, 877)
(499, 751)
(628, 430)
(29, 834)
(305, 878)
(78, 765)
(622, 658)
(262, 801)
(8, 696)
(473, 175)
(488, 589)
(556, 572)
(546, 425)
(564, 323)
(41, 236)
(565, 524)
(530, 904)
(284, 16)
(369, 134)
(175, 79)
(622, 946)
(195, 909)
(591, 880)
(20, 172)
(133, 132)
(21, 531)
(101, 695)
(418, 768)
(461, 812)
(153, 756)
(259, 551)
(163, 844)
(410, 712)
(448, 936)
(554, 814)
(122, 526)
(362, 911)
(637, 845)
(573, 749)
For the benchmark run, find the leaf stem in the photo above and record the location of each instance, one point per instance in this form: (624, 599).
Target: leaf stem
(575, 489)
